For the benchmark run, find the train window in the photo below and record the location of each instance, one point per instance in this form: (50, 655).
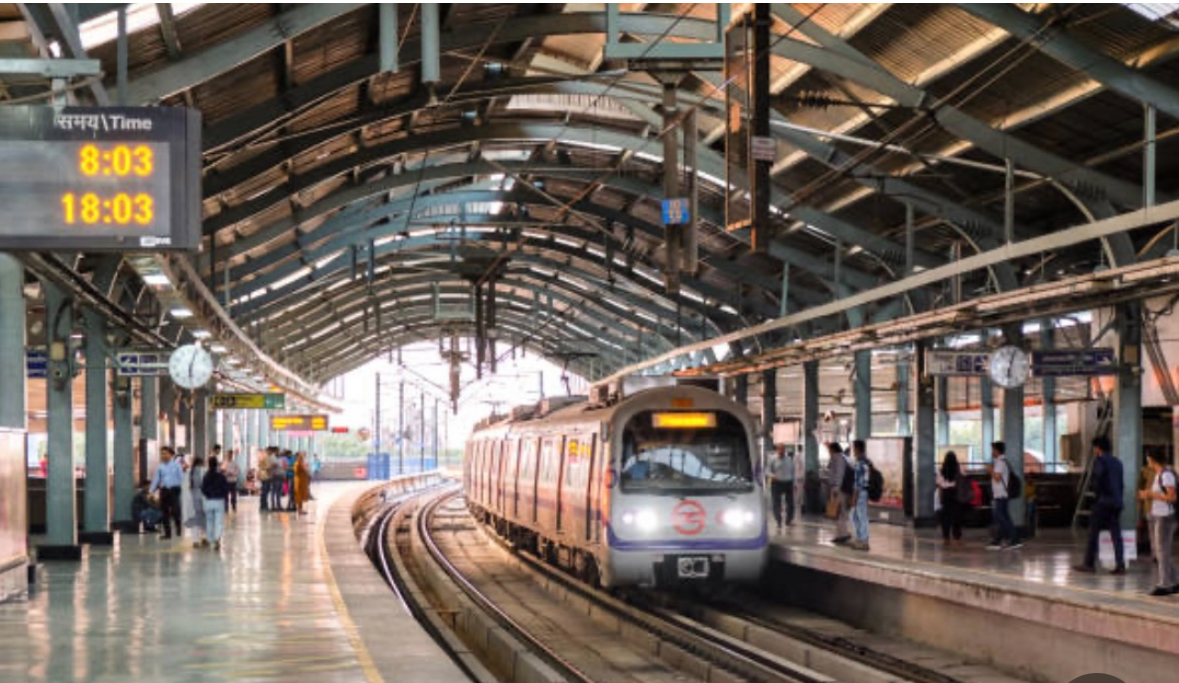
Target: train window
(679, 459)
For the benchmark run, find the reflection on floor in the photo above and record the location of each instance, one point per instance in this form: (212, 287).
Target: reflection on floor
(162, 611)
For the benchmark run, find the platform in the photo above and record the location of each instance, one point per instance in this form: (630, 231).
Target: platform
(959, 597)
(267, 608)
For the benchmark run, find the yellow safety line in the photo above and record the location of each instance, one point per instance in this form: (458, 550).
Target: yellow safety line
(366, 661)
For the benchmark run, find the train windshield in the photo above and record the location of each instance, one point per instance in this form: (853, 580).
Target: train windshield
(662, 454)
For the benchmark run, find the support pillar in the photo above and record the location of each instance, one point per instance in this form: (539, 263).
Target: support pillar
(987, 402)
(96, 503)
(769, 406)
(124, 453)
(741, 389)
(1048, 392)
(1013, 424)
(200, 424)
(942, 398)
(863, 394)
(14, 415)
(1127, 400)
(904, 423)
(812, 498)
(61, 527)
(924, 441)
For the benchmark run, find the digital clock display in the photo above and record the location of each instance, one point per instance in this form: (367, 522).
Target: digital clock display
(123, 178)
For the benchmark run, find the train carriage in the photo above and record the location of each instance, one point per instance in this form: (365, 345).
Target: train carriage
(661, 487)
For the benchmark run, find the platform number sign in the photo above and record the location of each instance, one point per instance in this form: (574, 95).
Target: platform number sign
(677, 211)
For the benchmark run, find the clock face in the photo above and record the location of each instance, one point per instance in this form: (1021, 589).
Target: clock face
(1010, 367)
(190, 366)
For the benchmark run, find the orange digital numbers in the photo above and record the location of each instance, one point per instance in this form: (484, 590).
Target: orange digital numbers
(119, 161)
(121, 209)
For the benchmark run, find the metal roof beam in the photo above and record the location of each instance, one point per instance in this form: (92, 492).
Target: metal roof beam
(208, 64)
(1056, 42)
(168, 30)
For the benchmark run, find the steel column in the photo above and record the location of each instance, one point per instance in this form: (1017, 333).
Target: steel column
(904, 422)
(987, 405)
(942, 419)
(863, 394)
(401, 427)
(96, 503)
(761, 188)
(388, 36)
(1149, 153)
(125, 465)
(810, 415)
(200, 424)
(13, 414)
(61, 527)
(924, 440)
(1013, 425)
(769, 404)
(1127, 399)
(431, 50)
(741, 389)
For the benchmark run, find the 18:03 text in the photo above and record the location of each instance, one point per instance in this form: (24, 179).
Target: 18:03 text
(121, 209)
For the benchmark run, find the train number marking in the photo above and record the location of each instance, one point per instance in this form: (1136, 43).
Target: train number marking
(688, 517)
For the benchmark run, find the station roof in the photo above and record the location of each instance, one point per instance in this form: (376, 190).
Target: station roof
(334, 190)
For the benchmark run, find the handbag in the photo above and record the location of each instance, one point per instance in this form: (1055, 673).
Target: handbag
(832, 507)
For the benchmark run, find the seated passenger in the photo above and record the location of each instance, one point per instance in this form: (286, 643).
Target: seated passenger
(144, 509)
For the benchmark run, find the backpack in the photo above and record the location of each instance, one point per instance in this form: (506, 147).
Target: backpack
(848, 485)
(1014, 485)
(875, 483)
(976, 494)
(964, 491)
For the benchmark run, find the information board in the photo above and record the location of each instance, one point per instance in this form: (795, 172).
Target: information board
(298, 423)
(249, 401)
(135, 363)
(1072, 363)
(957, 363)
(100, 178)
(677, 211)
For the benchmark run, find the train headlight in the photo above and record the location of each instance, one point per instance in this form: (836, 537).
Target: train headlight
(736, 518)
(645, 520)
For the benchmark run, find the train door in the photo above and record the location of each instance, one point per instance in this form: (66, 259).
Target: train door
(572, 500)
(528, 471)
(512, 480)
(492, 471)
(547, 483)
(588, 490)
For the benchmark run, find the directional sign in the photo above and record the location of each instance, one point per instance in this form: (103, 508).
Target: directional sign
(1066, 363)
(132, 363)
(249, 401)
(677, 211)
(957, 363)
(299, 423)
(36, 364)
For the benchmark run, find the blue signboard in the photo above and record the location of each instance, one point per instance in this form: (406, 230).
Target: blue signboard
(36, 364)
(957, 363)
(142, 363)
(1067, 363)
(677, 211)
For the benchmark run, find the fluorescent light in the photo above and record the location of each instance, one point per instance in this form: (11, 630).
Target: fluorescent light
(201, 334)
(218, 348)
(180, 313)
(157, 280)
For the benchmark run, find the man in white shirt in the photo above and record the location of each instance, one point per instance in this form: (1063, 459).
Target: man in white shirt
(1161, 497)
(1006, 535)
(841, 481)
(781, 471)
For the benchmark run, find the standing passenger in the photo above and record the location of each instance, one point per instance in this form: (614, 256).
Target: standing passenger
(782, 485)
(278, 475)
(198, 522)
(232, 472)
(168, 478)
(859, 499)
(841, 479)
(214, 489)
(950, 483)
(302, 491)
(263, 475)
(289, 461)
(1005, 530)
(1159, 496)
(1107, 509)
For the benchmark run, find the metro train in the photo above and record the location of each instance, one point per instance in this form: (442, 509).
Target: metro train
(661, 488)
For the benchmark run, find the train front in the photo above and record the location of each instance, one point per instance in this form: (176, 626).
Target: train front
(687, 504)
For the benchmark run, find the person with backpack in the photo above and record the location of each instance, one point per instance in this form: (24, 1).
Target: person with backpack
(841, 481)
(860, 495)
(1159, 498)
(215, 490)
(278, 477)
(1004, 486)
(1107, 508)
(954, 494)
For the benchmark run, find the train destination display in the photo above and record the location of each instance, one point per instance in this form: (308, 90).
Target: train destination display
(100, 178)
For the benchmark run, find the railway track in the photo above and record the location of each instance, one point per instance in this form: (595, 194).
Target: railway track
(724, 643)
